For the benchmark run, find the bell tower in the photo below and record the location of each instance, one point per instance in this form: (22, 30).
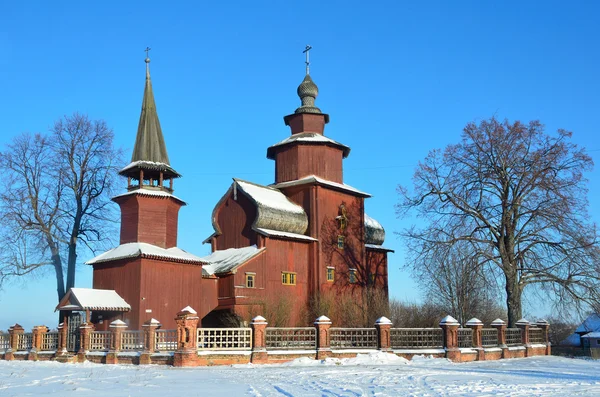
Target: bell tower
(149, 211)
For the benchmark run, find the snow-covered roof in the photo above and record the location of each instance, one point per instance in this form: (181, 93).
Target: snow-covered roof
(92, 299)
(323, 182)
(225, 261)
(309, 138)
(374, 232)
(149, 165)
(277, 233)
(134, 250)
(591, 324)
(274, 211)
(378, 247)
(592, 335)
(147, 192)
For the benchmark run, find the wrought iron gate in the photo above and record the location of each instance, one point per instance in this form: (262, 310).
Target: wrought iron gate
(75, 320)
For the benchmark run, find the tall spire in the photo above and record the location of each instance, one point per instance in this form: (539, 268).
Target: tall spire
(150, 150)
(149, 143)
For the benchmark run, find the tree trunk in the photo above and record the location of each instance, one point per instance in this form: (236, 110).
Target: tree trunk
(513, 299)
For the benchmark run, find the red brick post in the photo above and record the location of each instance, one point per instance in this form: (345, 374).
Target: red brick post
(149, 328)
(383, 325)
(61, 349)
(500, 325)
(449, 327)
(523, 325)
(13, 335)
(545, 326)
(85, 331)
(36, 343)
(186, 354)
(323, 323)
(259, 343)
(476, 325)
(116, 335)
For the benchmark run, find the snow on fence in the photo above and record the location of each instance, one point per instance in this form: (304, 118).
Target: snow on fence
(100, 340)
(165, 339)
(353, 338)
(4, 342)
(489, 337)
(224, 338)
(49, 341)
(513, 336)
(416, 338)
(291, 338)
(536, 335)
(465, 337)
(132, 340)
(25, 341)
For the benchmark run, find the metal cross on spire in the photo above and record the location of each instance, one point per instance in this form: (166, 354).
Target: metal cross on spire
(306, 51)
(147, 51)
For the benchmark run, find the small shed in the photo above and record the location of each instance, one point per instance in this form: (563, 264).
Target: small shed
(592, 341)
(105, 301)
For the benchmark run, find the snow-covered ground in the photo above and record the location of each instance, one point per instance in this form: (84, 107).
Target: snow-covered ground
(376, 375)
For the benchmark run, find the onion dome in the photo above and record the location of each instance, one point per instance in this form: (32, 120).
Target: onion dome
(308, 91)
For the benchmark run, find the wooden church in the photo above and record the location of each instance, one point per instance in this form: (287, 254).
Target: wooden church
(304, 236)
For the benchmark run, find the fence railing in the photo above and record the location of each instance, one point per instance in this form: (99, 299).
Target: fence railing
(132, 340)
(4, 342)
(513, 336)
(353, 338)
(489, 337)
(224, 338)
(536, 335)
(25, 341)
(100, 340)
(465, 337)
(416, 338)
(49, 341)
(291, 338)
(165, 340)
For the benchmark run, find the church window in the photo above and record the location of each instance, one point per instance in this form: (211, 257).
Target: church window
(330, 274)
(352, 276)
(340, 242)
(250, 280)
(288, 278)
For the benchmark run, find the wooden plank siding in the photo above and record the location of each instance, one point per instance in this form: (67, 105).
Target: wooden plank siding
(302, 160)
(235, 218)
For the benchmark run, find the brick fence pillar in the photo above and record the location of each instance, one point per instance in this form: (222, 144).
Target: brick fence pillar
(259, 341)
(500, 325)
(13, 335)
(545, 326)
(323, 323)
(476, 325)
(61, 349)
(149, 328)
(524, 325)
(450, 326)
(85, 333)
(186, 354)
(116, 335)
(383, 326)
(38, 333)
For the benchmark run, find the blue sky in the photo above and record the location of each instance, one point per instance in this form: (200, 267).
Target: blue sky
(397, 78)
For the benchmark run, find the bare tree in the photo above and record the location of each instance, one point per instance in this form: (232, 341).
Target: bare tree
(517, 197)
(452, 278)
(56, 193)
